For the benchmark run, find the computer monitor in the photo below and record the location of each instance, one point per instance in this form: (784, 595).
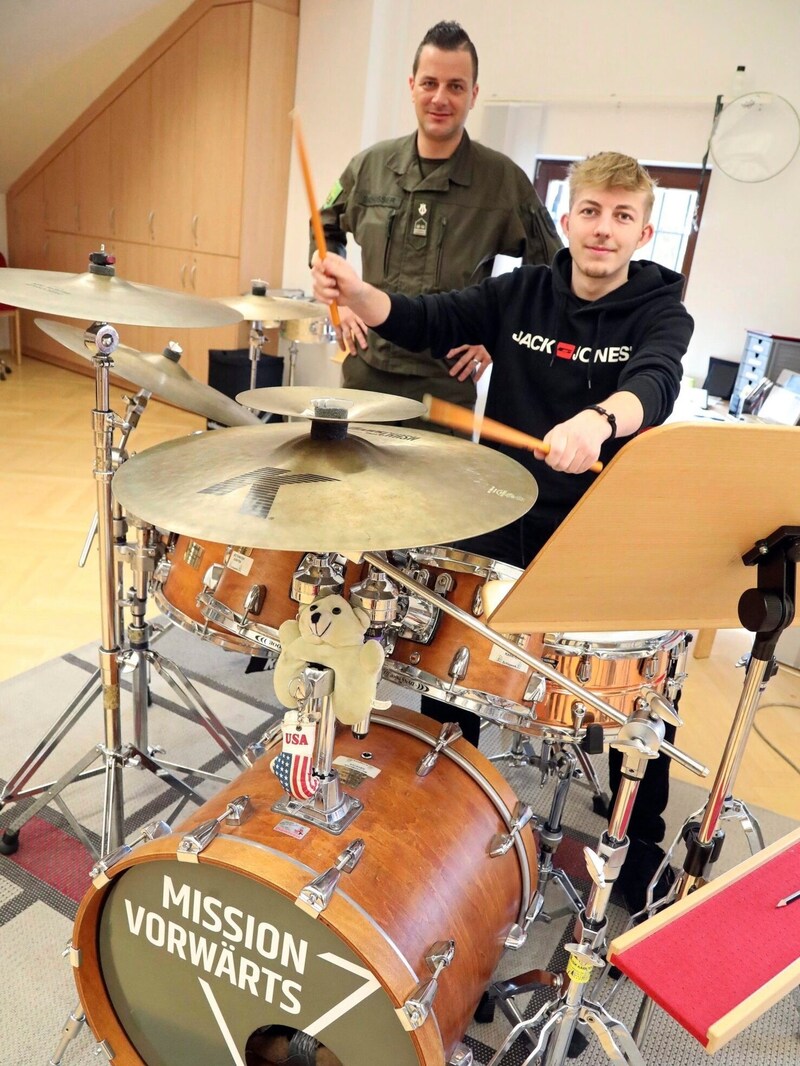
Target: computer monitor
(721, 377)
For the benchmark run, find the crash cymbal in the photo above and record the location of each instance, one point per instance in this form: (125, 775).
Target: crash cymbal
(272, 310)
(104, 298)
(331, 404)
(276, 486)
(160, 375)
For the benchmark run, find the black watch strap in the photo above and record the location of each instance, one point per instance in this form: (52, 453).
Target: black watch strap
(612, 421)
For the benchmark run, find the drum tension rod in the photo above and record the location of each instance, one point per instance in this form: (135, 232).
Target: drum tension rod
(450, 732)
(315, 896)
(503, 842)
(99, 872)
(418, 1005)
(235, 814)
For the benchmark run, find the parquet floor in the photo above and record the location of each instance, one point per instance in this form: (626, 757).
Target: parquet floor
(49, 606)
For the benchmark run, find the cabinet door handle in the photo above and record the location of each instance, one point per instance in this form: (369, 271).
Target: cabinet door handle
(195, 220)
(183, 275)
(151, 218)
(193, 274)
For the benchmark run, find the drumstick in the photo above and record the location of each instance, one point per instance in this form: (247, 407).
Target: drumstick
(455, 417)
(316, 221)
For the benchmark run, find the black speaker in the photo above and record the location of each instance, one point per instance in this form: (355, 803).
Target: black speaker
(229, 373)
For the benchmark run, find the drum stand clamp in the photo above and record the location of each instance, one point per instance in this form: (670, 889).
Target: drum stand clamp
(639, 740)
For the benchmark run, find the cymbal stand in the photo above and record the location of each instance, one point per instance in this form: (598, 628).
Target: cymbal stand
(257, 340)
(765, 610)
(113, 755)
(639, 740)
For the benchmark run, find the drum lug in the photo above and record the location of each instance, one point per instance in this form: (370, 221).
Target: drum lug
(444, 583)
(584, 671)
(237, 812)
(212, 576)
(99, 873)
(315, 896)
(253, 601)
(462, 1056)
(503, 842)
(75, 955)
(450, 732)
(417, 1007)
(161, 573)
(649, 667)
(675, 686)
(535, 690)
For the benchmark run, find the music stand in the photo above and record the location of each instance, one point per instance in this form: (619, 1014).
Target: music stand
(663, 539)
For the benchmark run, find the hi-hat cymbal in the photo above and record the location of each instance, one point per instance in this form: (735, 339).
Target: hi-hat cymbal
(160, 375)
(331, 404)
(272, 310)
(275, 486)
(103, 298)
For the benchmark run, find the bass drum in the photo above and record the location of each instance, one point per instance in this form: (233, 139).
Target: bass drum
(198, 961)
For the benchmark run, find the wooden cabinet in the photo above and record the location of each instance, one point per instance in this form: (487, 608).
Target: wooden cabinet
(180, 168)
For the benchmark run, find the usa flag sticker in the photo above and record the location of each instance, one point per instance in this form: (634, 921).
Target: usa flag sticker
(294, 767)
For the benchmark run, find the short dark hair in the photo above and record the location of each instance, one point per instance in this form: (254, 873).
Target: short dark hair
(450, 37)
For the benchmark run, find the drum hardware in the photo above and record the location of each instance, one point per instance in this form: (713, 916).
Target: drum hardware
(503, 842)
(314, 897)
(98, 874)
(235, 814)
(449, 733)
(329, 808)
(537, 664)
(417, 1007)
(93, 294)
(640, 739)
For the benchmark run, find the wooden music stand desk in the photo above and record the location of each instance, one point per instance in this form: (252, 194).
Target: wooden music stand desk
(657, 541)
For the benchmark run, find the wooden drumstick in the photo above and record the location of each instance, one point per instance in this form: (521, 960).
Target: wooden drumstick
(316, 221)
(455, 417)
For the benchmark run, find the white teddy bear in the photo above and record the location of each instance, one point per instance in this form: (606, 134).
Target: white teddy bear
(331, 632)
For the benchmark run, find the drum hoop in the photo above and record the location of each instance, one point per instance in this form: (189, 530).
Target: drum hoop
(462, 562)
(95, 898)
(527, 893)
(251, 633)
(228, 640)
(624, 649)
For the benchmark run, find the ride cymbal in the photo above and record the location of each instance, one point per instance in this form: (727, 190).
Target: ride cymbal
(279, 487)
(160, 375)
(272, 310)
(107, 298)
(331, 404)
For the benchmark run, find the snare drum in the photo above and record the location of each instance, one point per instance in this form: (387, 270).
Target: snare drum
(309, 330)
(259, 589)
(617, 667)
(190, 567)
(442, 657)
(185, 962)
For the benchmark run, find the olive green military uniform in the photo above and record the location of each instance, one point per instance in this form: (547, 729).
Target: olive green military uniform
(426, 228)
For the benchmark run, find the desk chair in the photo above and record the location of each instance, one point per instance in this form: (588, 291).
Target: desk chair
(14, 332)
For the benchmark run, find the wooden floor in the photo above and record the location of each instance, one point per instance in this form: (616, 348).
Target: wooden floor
(49, 606)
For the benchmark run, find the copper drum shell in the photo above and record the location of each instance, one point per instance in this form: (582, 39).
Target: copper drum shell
(489, 671)
(621, 665)
(271, 571)
(424, 876)
(176, 595)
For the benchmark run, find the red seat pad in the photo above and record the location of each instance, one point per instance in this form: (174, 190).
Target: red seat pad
(713, 957)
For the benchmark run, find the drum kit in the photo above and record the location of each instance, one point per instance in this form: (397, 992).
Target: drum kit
(250, 923)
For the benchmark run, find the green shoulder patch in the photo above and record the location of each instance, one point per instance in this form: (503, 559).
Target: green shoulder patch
(333, 195)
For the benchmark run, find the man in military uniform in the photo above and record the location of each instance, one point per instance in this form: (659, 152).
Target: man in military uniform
(430, 212)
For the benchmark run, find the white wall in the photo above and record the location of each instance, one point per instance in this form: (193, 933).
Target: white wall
(641, 78)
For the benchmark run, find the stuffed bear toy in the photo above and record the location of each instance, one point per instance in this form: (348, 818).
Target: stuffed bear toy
(331, 632)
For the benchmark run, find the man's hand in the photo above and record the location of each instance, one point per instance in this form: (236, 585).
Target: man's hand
(575, 444)
(335, 281)
(353, 332)
(472, 361)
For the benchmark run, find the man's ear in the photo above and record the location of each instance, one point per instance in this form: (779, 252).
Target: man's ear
(565, 223)
(475, 89)
(647, 234)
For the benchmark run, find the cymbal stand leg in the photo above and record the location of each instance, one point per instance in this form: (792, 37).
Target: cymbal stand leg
(293, 350)
(256, 345)
(639, 740)
(143, 556)
(520, 753)
(550, 836)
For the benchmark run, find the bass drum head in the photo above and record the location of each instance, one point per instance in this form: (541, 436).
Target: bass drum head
(203, 952)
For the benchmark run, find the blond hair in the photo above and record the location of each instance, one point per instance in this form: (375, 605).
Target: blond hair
(612, 170)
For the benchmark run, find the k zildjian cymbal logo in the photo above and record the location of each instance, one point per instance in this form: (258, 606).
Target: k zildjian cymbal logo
(265, 484)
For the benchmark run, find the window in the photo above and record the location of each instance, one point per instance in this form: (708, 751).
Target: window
(674, 218)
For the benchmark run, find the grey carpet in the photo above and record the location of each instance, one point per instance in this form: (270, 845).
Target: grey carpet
(40, 885)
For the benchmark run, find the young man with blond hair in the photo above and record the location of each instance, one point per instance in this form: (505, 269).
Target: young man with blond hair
(586, 354)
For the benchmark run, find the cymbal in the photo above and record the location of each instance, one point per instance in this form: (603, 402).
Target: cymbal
(275, 486)
(320, 402)
(103, 298)
(272, 310)
(160, 375)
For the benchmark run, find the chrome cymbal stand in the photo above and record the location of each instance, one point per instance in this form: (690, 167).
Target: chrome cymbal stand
(113, 755)
(639, 740)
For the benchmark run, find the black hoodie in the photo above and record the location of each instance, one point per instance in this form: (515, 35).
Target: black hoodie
(555, 354)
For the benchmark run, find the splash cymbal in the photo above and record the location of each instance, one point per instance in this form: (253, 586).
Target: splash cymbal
(331, 404)
(272, 310)
(277, 486)
(160, 375)
(107, 298)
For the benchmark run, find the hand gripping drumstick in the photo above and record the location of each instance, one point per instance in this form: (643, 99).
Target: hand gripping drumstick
(316, 221)
(455, 417)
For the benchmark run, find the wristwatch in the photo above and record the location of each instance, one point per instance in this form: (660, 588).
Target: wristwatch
(612, 420)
